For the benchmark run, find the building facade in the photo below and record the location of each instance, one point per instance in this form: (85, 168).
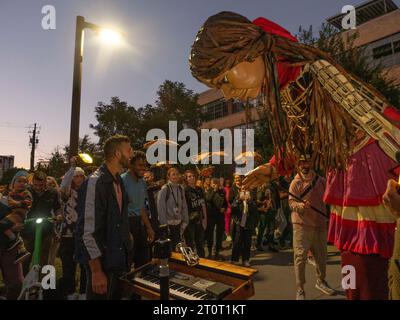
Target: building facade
(6, 163)
(378, 29)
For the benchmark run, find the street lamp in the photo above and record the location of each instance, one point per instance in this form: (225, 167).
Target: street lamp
(109, 36)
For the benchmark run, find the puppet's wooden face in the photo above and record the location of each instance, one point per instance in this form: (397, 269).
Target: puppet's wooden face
(242, 81)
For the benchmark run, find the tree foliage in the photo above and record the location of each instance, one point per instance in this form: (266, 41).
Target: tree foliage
(174, 102)
(354, 59)
(8, 175)
(57, 164)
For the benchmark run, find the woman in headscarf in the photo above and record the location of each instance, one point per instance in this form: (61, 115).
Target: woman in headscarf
(313, 105)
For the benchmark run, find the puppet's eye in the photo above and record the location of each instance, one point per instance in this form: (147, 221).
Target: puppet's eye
(224, 80)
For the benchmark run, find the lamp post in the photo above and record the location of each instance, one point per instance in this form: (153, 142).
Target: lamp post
(108, 35)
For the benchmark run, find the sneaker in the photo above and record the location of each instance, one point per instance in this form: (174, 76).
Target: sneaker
(246, 263)
(73, 296)
(272, 248)
(14, 243)
(228, 239)
(82, 296)
(21, 256)
(227, 246)
(311, 260)
(300, 294)
(325, 288)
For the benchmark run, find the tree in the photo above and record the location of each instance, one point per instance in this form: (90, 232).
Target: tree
(115, 118)
(180, 104)
(263, 140)
(8, 175)
(57, 164)
(353, 59)
(89, 147)
(174, 102)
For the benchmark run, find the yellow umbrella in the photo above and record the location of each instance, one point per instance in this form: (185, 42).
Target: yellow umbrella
(248, 154)
(163, 163)
(207, 154)
(86, 158)
(160, 141)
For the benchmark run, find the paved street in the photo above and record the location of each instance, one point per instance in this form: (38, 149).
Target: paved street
(275, 279)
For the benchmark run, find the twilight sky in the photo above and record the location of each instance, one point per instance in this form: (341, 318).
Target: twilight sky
(36, 64)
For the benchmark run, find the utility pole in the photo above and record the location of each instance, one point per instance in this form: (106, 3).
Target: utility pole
(33, 141)
(76, 87)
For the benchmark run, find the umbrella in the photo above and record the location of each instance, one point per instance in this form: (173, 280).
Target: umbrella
(204, 155)
(163, 163)
(160, 141)
(86, 158)
(249, 154)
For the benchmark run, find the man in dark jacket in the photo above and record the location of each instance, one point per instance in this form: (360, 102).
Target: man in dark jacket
(102, 230)
(194, 233)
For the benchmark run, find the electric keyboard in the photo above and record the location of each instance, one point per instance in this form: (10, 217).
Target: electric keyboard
(209, 280)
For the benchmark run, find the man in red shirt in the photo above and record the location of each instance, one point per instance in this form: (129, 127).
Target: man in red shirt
(309, 226)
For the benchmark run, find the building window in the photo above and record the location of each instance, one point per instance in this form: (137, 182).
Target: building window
(382, 51)
(216, 109)
(396, 46)
(237, 106)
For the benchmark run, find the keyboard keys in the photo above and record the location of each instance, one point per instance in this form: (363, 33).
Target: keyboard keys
(177, 290)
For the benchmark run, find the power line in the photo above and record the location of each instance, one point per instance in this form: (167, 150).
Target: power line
(43, 152)
(13, 125)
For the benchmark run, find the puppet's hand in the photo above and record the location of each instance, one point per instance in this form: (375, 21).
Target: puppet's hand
(258, 176)
(391, 198)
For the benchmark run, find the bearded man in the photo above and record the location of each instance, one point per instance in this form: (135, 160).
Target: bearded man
(102, 228)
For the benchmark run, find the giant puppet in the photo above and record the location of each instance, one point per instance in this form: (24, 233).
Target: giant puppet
(313, 106)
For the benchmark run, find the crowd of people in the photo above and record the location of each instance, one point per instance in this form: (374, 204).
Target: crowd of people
(107, 222)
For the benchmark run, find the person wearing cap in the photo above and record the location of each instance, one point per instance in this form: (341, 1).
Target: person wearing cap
(70, 185)
(309, 227)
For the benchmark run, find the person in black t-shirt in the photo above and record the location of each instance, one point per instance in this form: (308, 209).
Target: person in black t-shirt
(194, 234)
(216, 207)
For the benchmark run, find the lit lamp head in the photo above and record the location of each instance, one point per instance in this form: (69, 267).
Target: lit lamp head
(110, 36)
(86, 158)
(39, 220)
